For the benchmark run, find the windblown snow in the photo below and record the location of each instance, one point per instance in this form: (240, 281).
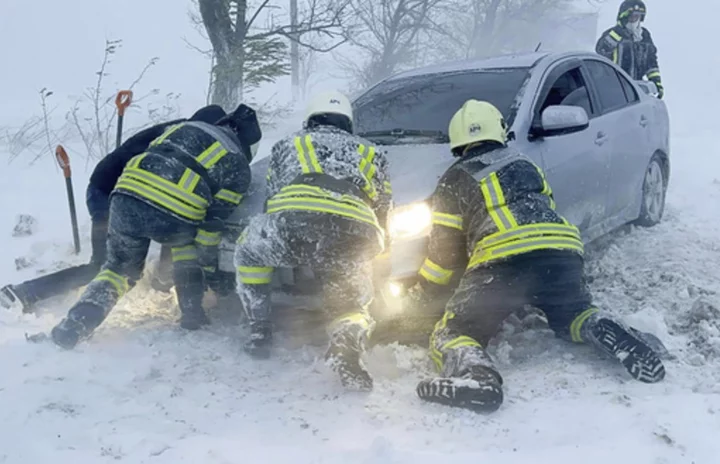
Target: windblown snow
(143, 391)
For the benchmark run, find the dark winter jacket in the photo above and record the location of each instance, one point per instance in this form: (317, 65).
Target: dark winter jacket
(108, 170)
(488, 206)
(331, 159)
(195, 171)
(638, 59)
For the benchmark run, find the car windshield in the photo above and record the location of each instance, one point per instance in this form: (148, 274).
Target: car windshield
(420, 107)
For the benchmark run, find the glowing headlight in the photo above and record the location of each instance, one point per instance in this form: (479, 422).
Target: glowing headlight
(395, 289)
(410, 221)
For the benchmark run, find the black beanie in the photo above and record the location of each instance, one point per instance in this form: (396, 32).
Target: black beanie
(209, 114)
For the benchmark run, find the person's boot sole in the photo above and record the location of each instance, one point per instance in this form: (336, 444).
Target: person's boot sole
(641, 362)
(476, 395)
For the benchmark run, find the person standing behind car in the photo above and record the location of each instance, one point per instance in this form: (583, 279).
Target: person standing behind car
(630, 45)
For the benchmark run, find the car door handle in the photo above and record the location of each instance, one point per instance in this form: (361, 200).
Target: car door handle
(643, 121)
(601, 138)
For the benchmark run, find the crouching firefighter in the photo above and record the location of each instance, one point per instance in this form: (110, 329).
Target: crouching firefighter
(177, 193)
(27, 295)
(497, 238)
(328, 197)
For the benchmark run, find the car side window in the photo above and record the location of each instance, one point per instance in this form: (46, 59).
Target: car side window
(631, 95)
(569, 89)
(607, 81)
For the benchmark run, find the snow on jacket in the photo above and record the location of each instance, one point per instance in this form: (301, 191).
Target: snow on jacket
(195, 171)
(489, 206)
(336, 153)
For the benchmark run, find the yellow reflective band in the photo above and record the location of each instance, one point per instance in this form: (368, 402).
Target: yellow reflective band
(615, 56)
(547, 191)
(119, 283)
(322, 205)
(189, 180)
(184, 253)
(387, 187)
(358, 317)
(462, 340)
(166, 134)
(295, 191)
(229, 196)
(367, 169)
(206, 238)
(311, 154)
(448, 220)
(615, 36)
(435, 273)
(164, 185)
(253, 275)
(211, 155)
(495, 203)
(194, 212)
(435, 354)
(135, 161)
(577, 323)
(517, 247)
(529, 231)
(209, 269)
(301, 155)
(654, 74)
(307, 166)
(370, 190)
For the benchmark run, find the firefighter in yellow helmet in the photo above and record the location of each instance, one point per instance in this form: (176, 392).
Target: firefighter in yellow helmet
(497, 240)
(328, 197)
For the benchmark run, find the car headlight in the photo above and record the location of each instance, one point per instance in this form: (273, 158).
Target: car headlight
(410, 221)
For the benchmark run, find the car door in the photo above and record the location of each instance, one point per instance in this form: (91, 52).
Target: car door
(623, 116)
(574, 163)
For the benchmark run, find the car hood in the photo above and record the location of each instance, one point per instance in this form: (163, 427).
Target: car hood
(416, 169)
(414, 173)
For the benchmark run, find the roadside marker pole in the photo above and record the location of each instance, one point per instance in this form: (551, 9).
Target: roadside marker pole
(122, 101)
(64, 161)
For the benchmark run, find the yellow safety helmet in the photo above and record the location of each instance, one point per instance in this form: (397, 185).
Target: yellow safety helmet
(477, 121)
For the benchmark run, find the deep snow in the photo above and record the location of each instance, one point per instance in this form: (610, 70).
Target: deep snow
(143, 391)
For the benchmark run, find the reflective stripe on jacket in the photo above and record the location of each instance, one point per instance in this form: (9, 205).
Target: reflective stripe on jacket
(196, 171)
(491, 206)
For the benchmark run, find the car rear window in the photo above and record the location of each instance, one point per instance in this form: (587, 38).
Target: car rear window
(428, 102)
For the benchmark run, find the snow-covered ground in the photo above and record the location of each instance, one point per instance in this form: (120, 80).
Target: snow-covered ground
(143, 391)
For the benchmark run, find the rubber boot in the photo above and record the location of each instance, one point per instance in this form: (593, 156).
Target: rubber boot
(193, 319)
(81, 321)
(259, 346)
(624, 344)
(478, 389)
(344, 356)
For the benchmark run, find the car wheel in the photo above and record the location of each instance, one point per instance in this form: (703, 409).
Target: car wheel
(653, 194)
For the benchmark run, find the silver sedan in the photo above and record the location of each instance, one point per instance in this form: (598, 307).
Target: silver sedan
(601, 138)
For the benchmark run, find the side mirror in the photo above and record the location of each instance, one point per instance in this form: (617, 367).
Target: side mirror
(562, 119)
(648, 87)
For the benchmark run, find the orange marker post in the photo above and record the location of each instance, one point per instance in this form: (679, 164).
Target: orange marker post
(64, 161)
(122, 101)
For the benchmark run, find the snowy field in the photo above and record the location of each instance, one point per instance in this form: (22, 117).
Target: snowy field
(142, 391)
